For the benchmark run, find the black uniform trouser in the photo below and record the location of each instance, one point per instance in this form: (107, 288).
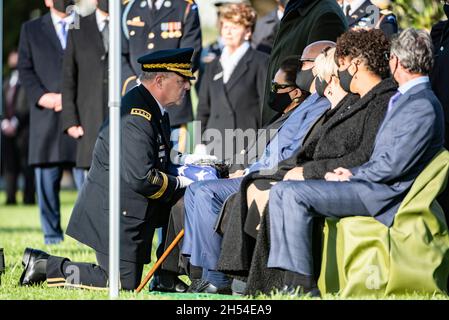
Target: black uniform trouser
(61, 272)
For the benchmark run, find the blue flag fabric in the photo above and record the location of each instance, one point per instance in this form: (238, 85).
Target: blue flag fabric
(194, 172)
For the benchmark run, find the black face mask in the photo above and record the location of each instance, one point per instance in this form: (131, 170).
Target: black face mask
(345, 79)
(103, 5)
(320, 86)
(62, 5)
(304, 79)
(279, 101)
(446, 9)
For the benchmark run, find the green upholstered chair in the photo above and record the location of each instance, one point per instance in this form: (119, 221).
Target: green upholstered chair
(361, 256)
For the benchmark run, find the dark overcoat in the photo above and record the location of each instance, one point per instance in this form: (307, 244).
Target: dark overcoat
(40, 67)
(85, 86)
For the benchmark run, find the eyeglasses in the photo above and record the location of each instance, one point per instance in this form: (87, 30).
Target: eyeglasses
(276, 86)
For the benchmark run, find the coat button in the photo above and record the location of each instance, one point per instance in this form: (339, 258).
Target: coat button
(125, 213)
(442, 48)
(132, 33)
(151, 46)
(151, 35)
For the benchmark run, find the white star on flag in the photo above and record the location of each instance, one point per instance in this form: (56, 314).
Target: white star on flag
(181, 170)
(201, 175)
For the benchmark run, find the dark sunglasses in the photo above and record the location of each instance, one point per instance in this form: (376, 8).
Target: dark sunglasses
(276, 86)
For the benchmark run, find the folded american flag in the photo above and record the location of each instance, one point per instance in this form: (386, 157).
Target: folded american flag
(194, 172)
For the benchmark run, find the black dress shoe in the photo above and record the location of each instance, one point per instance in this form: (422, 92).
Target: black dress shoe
(204, 286)
(35, 265)
(175, 285)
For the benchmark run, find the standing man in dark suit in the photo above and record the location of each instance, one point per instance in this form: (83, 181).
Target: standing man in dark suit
(85, 82)
(304, 22)
(151, 25)
(267, 28)
(147, 190)
(41, 50)
(440, 83)
(410, 136)
(14, 136)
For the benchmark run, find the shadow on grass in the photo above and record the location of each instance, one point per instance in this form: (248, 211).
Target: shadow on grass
(4, 230)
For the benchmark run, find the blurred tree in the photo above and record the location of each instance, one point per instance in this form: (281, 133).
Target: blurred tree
(420, 14)
(15, 13)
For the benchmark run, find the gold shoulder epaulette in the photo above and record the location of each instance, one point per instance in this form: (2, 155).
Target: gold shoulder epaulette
(125, 2)
(141, 112)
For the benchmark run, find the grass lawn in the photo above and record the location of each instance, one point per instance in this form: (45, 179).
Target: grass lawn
(20, 228)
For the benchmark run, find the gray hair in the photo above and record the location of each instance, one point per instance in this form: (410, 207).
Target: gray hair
(414, 49)
(325, 65)
(150, 76)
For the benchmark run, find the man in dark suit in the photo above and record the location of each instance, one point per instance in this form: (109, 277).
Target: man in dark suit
(440, 83)
(41, 49)
(304, 22)
(14, 136)
(85, 82)
(147, 190)
(151, 25)
(410, 136)
(267, 28)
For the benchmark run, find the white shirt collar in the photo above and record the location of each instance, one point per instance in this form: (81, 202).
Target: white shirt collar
(101, 20)
(355, 5)
(158, 4)
(280, 14)
(229, 61)
(56, 19)
(412, 83)
(160, 106)
(14, 79)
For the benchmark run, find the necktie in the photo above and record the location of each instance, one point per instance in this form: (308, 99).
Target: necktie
(393, 100)
(105, 35)
(63, 34)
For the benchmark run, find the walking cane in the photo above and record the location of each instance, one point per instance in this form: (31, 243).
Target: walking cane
(160, 261)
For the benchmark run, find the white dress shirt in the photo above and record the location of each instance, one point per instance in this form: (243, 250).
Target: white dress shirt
(158, 4)
(58, 27)
(101, 20)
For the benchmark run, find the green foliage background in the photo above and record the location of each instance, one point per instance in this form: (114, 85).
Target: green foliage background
(420, 14)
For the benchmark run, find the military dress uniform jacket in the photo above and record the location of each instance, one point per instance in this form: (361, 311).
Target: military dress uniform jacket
(265, 32)
(146, 190)
(364, 16)
(175, 25)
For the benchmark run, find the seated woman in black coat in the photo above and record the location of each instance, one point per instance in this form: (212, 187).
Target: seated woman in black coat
(345, 134)
(232, 88)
